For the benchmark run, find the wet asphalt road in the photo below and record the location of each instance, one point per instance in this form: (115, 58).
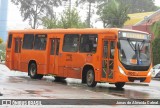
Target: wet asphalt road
(18, 85)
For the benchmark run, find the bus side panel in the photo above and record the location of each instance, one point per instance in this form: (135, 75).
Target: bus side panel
(77, 62)
(25, 58)
(41, 59)
(38, 56)
(8, 61)
(9, 54)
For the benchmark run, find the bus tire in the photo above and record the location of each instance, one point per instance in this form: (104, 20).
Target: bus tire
(33, 71)
(90, 78)
(57, 78)
(119, 85)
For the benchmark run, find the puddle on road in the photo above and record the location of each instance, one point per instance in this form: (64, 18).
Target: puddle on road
(13, 79)
(33, 92)
(124, 92)
(39, 91)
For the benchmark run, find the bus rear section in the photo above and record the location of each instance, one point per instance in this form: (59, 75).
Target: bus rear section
(13, 51)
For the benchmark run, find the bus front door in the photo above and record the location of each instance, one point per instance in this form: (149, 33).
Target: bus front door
(53, 58)
(108, 61)
(17, 51)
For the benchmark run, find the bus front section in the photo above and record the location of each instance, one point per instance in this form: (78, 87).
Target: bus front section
(134, 56)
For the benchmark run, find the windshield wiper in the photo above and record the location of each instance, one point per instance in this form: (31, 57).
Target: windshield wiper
(137, 48)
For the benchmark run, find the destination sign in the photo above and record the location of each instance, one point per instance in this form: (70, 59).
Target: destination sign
(134, 35)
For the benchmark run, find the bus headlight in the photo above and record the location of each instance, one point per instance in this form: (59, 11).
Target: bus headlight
(149, 73)
(121, 70)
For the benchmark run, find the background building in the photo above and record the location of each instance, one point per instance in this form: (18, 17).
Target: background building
(142, 21)
(3, 19)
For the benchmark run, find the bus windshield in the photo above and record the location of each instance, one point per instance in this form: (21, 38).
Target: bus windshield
(134, 53)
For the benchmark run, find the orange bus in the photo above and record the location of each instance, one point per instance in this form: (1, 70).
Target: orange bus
(108, 55)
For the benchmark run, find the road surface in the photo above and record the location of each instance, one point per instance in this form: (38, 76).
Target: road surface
(18, 85)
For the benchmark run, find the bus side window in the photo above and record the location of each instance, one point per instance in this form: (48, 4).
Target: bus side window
(28, 41)
(40, 41)
(88, 43)
(112, 47)
(71, 43)
(10, 41)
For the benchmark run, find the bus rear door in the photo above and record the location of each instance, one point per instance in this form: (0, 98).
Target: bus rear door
(17, 51)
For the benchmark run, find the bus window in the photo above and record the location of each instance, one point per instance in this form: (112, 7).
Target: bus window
(88, 43)
(57, 46)
(17, 45)
(40, 42)
(28, 41)
(10, 41)
(52, 46)
(105, 50)
(70, 43)
(112, 47)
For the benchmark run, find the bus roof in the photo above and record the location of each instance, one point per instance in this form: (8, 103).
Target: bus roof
(74, 30)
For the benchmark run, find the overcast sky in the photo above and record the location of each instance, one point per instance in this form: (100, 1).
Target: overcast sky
(15, 20)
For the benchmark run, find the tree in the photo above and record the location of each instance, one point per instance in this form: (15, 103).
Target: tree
(1, 40)
(137, 6)
(156, 51)
(34, 10)
(68, 19)
(113, 13)
(90, 2)
(155, 28)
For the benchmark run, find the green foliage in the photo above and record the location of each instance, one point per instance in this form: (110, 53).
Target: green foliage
(35, 10)
(68, 19)
(71, 19)
(1, 40)
(50, 23)
(113, 13)
(2, 50)
(137, 6)
(155, 28)
(156, 51)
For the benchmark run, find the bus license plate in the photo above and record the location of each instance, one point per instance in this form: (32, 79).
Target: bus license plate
(137, 81)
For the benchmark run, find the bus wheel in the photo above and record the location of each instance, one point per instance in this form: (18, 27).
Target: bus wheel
(33, 71)
(119, 85)
(90, 78)
(57, 78)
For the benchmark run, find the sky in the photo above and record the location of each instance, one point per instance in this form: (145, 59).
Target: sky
(15, 20)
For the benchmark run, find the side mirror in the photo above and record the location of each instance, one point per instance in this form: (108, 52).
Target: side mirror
(118, 45)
